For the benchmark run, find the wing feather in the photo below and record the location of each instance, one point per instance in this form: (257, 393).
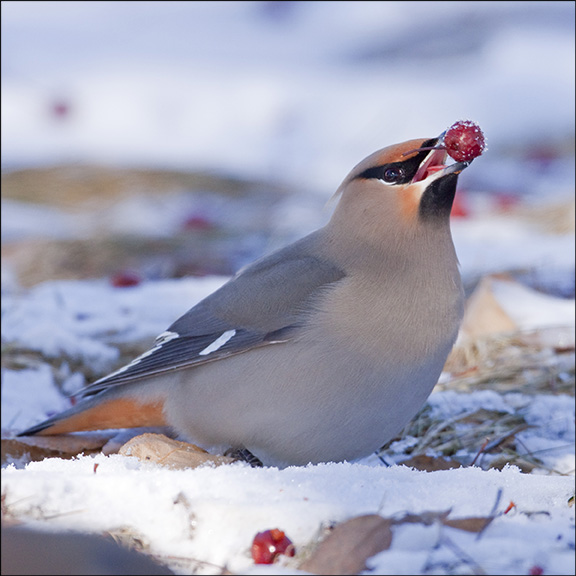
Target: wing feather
(264, 304)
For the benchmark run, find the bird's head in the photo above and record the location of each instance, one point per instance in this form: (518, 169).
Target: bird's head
(406, 186)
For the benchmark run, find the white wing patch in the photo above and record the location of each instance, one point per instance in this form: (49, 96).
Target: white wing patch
(218, 343)
(162, 339)
(158, 343)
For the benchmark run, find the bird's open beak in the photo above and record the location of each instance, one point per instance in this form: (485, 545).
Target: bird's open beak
(434, 164)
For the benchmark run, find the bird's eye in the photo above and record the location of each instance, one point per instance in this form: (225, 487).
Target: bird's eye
(392, 175)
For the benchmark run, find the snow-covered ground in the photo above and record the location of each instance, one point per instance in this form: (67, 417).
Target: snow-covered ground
(293, 93)
(290, 91)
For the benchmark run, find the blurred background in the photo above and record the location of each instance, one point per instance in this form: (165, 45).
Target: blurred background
(145, 140)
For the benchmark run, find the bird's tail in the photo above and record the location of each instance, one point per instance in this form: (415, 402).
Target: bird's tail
(101, 412)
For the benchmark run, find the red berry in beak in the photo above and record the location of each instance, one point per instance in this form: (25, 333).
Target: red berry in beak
(464, 141)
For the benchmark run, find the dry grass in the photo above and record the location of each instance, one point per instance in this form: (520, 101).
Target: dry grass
(538, 361)
(528, 362)
(77, 186)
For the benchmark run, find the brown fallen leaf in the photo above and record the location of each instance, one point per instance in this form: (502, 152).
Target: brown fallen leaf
(430, 463)
(471, 524)
(484, 315)
(526, 465)
(64, 446)
(347, 547)
(426, 518)
(345, 550)
(123, 436)
(170, 453)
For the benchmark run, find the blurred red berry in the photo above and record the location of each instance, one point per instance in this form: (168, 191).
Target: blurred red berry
(60, 109)
(459, 207)
(197, 222)
(506, 202)
(464, 141)
(125, 278)
(267, 545)
(536, 570)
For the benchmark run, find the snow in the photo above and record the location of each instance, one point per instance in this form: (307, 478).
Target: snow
(224, 507)
(296, 93)
(236, 88)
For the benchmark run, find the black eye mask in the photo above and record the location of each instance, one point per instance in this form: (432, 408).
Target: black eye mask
(399, 172)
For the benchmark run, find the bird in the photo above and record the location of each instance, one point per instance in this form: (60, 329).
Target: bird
(320, 351)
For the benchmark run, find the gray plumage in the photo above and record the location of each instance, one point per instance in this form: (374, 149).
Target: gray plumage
(323, 350)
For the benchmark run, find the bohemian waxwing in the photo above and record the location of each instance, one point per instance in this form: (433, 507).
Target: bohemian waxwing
(320, 351)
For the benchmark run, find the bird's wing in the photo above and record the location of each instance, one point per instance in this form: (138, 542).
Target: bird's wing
(264, 304)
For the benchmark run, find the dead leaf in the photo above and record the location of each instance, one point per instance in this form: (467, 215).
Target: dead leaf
(472, 524)
(123, 436)
(484, 315)
(502, 460)
(170, 453)
(426, 518)
(348, 546)
(430, 463)
(346, 549)
(64, 446)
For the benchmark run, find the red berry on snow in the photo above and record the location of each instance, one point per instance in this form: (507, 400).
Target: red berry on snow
(464, 140)
(126, 278)
(267, 545)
